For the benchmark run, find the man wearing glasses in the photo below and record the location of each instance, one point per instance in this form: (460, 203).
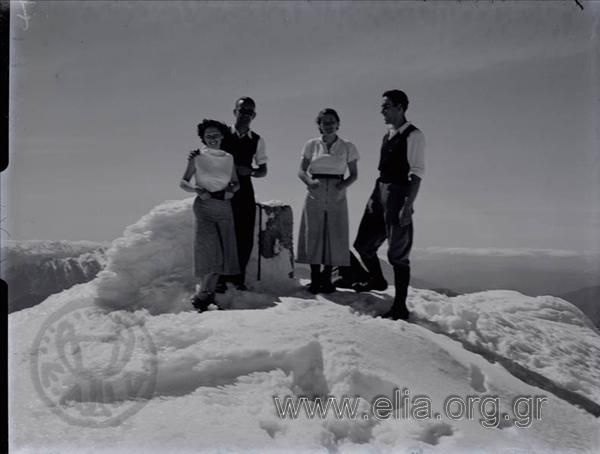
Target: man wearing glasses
(249, 155)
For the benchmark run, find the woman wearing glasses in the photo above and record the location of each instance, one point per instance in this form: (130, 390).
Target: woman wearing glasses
(323, 238)
(215, 250)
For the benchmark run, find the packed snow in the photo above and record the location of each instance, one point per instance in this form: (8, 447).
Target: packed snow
(214, 376)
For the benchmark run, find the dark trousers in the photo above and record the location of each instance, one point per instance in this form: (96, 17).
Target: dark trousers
(243, 205)
(380, 221)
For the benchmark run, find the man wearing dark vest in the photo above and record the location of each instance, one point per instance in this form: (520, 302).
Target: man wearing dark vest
(247, 148)
(388, 213)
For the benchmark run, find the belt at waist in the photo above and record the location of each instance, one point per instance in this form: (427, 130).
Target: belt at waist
(393, 180)
(219, 195)
(327, 176)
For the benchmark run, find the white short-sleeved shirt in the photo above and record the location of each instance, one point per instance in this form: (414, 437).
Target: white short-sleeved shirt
(415, 149)
(330, 162)
(213, 169)
(260, 157)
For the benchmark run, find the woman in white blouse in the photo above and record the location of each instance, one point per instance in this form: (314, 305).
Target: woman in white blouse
(215, 250)
(323, 237)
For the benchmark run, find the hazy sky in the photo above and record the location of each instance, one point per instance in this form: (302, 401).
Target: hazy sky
(106, 96)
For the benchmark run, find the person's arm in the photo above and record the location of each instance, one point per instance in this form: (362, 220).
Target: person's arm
(185, 181)
(193, 154)
(416, 159)
(305, 176)
(233, 185)
(260, 159)
(306, 160)
(407, 210)
(260, 171)
(352, 167)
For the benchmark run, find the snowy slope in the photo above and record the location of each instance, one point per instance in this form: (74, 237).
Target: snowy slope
(218, 373)
(179, 381)
(545, 334)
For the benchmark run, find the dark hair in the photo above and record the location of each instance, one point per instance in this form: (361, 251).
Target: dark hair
(327, 111)
(208, 123)
(245, 100)
(397, 97)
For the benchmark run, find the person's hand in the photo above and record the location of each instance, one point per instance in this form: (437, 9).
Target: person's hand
(193, 154)
(244, 171)
(340, 185)
(405, 215)
(313, 184)
(203, 193)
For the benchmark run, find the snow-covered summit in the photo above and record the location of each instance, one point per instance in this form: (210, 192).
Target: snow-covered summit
(216, 375)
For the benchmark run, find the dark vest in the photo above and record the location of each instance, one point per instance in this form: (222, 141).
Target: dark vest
(243, 148)
(393, 163)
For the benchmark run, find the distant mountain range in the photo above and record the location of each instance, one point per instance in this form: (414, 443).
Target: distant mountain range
(588, 300)
(572, 276)
(452, 271)
(35, 270)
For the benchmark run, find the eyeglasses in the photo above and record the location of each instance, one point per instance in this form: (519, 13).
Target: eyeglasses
(246, 111)
(213, 136)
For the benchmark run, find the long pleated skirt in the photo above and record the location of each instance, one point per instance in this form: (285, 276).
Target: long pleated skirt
(323, 237)
(215, 249)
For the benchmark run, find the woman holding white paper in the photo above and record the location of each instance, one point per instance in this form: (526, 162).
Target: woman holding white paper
(215, 250)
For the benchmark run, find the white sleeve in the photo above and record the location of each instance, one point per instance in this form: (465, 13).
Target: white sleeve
(415, 144)
(307, 150)
(352, 153)
(260, 157)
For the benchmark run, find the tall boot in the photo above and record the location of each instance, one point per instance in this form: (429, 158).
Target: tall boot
(399, 310)
(315, 279)
(221, 286)
(240, 282)
(376, 281)
(347, 276)
(326, 284)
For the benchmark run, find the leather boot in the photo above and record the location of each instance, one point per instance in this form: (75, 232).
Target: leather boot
(326, 284)
(221, 286)
(399, 310)
(376, 281)
(202, 300)
(315, 279)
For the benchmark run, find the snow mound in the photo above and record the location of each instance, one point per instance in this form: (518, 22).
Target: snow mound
(151, 266)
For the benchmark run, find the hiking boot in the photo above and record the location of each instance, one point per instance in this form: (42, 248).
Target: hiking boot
(313, 287)
(327, 287)
(202, 300)
(315, 279)
(343, 282)
(369, 285)
(399, 310)
(221, 287)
